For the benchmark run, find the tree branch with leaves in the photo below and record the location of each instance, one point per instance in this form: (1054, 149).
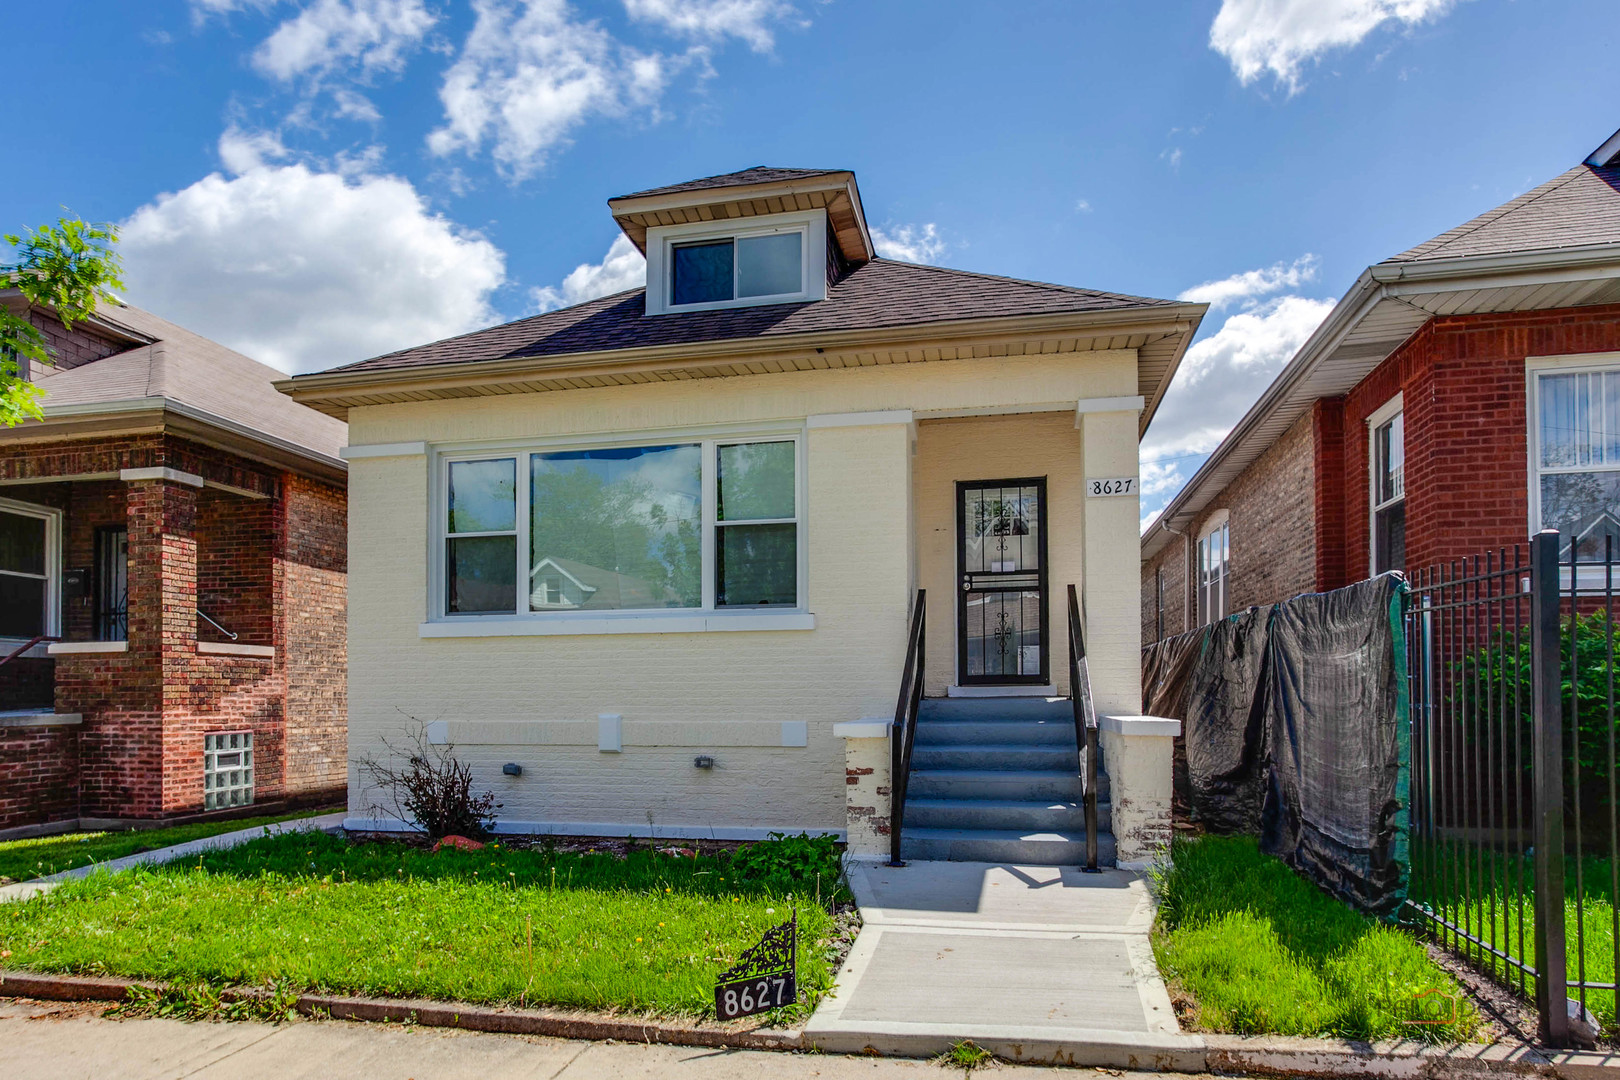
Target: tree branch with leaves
(68, 268)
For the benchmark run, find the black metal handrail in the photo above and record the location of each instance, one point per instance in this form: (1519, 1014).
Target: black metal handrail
(904, 732)
(1085, 725)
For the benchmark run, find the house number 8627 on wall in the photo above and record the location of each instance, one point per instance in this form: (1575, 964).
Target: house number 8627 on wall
(1119, 485)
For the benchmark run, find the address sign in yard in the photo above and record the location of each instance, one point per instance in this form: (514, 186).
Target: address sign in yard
(764, 978)
(1119, 485)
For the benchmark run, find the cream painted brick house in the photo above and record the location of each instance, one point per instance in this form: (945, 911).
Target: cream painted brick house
(661, 549)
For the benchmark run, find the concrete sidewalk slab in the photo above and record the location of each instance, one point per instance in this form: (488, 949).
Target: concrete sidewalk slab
(321, 823)
(52, 1042)
(1034, 963)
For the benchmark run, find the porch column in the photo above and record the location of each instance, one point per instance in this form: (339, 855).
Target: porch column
(161, 514)
(862, 576)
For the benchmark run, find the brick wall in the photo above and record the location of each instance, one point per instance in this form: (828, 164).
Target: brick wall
(272, 569)
(1273, 529)
(314, 637)
(70, 348)
(1462, 381)
(39, 780)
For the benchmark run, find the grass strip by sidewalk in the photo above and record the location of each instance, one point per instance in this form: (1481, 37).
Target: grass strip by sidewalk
(1261, 950)
(646, 933)
(23, 860)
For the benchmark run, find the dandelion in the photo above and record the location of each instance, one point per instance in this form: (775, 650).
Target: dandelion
(770, 911)
(638, 939)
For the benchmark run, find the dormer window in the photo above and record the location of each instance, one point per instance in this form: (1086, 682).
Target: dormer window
(770, 259)
(710, 271)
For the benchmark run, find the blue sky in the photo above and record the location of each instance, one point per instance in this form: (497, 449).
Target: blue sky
(318, 181)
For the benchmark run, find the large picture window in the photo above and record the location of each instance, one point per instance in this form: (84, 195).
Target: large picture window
(28, 570)
(1577, 458)
(684, 525)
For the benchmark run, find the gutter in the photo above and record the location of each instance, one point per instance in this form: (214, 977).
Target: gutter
(322, 464)
(1163, 320)
(1381, 281)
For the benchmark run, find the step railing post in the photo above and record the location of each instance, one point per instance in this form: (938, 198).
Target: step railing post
(1552, 985)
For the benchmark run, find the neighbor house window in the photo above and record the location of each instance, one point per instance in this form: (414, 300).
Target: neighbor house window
(687, 525)
(1214, 557)
(28, 570)
(227, 770)
(1388, 454)
(1577, 458)
(737, 268)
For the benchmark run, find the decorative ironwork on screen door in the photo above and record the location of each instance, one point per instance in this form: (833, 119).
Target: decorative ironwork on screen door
(112, 583)
(1002, 602)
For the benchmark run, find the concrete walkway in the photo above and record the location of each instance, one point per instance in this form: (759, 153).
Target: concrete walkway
(52, 1041)
(24, 889)
(1034, 963)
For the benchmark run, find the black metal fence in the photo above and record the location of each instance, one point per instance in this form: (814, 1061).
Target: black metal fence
(1514, 844)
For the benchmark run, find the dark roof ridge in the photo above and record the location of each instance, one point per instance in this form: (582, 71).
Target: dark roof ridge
(1491, 216)
(778, 174)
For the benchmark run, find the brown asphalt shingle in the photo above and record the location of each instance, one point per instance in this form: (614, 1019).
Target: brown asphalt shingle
(1579, 208)
(759, 174)
(881, 293)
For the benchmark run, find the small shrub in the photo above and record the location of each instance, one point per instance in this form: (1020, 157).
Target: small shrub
(426, 785)
(790, 864)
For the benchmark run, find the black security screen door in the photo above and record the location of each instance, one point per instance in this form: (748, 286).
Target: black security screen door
(1001, 602)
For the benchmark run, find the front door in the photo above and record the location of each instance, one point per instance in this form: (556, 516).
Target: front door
(1001, 604)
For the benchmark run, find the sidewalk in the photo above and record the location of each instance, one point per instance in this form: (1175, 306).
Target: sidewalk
(54, 1041)
(1037, 963)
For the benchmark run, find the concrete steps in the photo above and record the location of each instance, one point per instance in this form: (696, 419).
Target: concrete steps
(997, 780)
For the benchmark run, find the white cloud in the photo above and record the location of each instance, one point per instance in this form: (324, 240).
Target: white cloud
(749, 20)
(1148, 519)
(1220, 378)
(1281, 36)
(528, 76)
(623, 267)
(304, 269)
(1083, 206)
(241, 151)
(372, 35)
(202, 9)
(353, 106)
(909, 243)
(1253, 283)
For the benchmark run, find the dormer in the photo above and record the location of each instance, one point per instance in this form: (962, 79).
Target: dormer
(745, 239)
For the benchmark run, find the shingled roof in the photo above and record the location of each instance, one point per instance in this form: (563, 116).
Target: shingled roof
(881, 293)
(188, 373)
(759, 174)
(1579, 208)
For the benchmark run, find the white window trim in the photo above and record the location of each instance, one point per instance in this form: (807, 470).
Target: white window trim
(1380, 416)
(440, 623)
(661, 241)
(1212, 524)
(53, 564)
(1591, 579)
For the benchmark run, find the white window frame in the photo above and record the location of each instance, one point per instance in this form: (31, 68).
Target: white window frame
(1219, 522)
(707, 616)
(211, 750)
(1386, 412)
(1591, 578)
(53, 563)
(662, 240)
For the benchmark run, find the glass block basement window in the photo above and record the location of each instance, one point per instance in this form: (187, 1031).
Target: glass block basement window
(227, 770)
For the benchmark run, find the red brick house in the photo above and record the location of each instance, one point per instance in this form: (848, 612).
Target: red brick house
(1462, 395)
(172, 584)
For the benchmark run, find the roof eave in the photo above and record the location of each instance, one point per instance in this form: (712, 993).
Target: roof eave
(72, 421)
(326, 388)
(844, 180)
(1389, 279)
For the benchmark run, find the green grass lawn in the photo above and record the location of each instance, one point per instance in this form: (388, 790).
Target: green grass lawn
(21, 860)
(1262, 950)
(647, 933)
(1491, 894)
